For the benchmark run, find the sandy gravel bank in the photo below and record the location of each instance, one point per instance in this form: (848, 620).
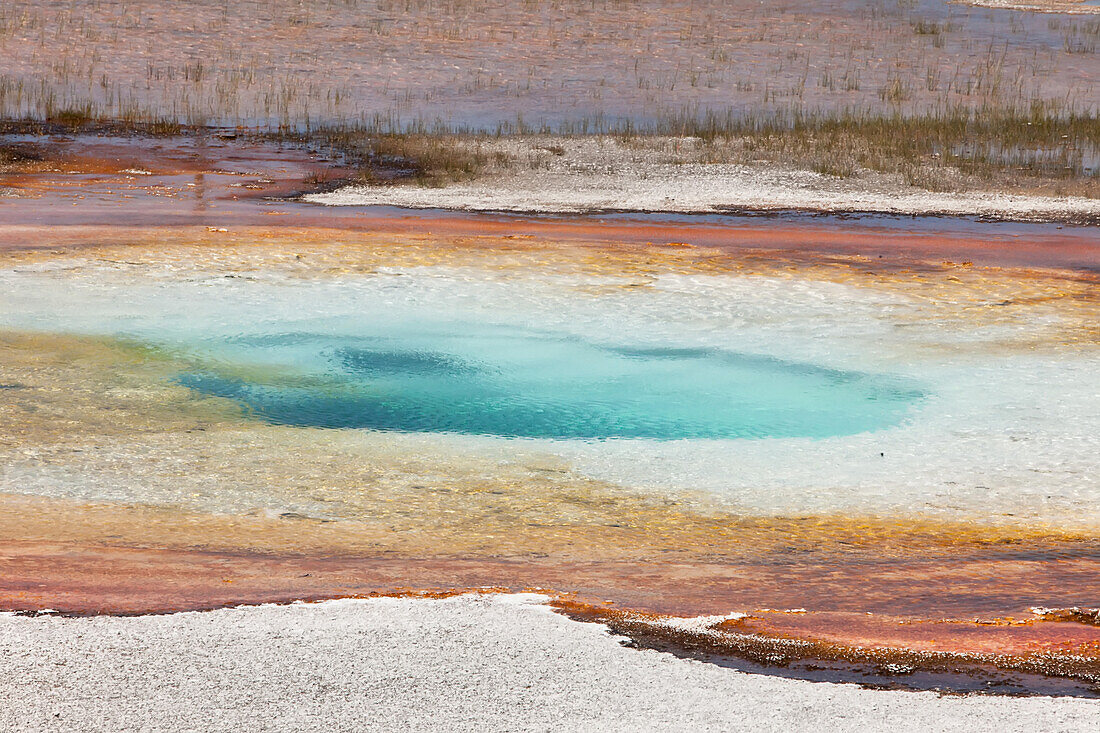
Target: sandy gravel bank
(571, 175)
(465, 663)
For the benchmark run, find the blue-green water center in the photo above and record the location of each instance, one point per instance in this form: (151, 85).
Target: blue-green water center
(514, 382)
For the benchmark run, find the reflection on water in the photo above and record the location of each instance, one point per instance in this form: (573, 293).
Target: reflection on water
(494, 380)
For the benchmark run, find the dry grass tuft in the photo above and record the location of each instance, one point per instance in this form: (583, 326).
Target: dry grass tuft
(77, 120)
(1042, 146)
(429, 159)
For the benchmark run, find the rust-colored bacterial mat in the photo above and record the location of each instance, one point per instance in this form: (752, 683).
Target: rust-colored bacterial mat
(867, 444)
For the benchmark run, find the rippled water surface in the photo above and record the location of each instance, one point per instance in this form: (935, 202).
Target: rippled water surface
(415, 375)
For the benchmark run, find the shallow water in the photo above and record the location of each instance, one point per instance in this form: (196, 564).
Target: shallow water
(396, 372)
(770, 394)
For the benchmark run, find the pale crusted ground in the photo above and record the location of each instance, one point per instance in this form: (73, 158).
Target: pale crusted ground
(1072, 7)
(602, 173)
(465, 663)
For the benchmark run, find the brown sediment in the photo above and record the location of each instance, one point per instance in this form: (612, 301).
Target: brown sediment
(1072, 249)
(411, 239)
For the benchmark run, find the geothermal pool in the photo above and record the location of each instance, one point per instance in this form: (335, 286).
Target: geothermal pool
(905, 448)
(489, 380)
(438, 352)
(765, 393)
(443, 352)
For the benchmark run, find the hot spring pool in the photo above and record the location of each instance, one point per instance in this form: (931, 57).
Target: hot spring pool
(475, 378)
(437, 350)
(769, 394)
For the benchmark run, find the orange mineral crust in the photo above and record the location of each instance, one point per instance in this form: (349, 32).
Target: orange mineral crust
(1011, 664)
(164, 500)
(644, 601)
(86, 577)
(966, 636)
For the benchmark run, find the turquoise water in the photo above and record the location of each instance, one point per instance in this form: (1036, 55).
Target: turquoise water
(511, 381)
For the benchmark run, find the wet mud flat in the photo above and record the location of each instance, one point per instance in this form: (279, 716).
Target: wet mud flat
(877, 590)
(93, 189)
